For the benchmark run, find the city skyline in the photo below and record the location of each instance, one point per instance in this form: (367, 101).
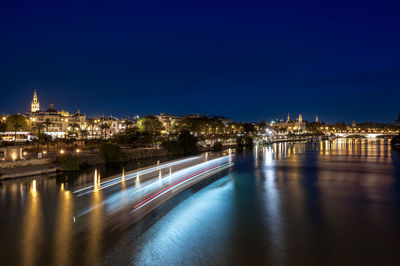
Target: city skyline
(228, 58)
(277, 118)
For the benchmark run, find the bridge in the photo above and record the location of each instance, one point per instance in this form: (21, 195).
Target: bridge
(369, 135)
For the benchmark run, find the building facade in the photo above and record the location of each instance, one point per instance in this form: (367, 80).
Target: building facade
(56, 123)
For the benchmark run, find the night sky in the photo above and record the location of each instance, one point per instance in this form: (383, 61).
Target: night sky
(246, 60)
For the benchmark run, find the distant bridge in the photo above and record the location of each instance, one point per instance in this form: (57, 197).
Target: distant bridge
(369, 135)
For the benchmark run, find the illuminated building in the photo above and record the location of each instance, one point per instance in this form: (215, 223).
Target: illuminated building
(107, 126)
(289, 126)
(55, 123)
(300, 125)
(169, 122)
(35, 106)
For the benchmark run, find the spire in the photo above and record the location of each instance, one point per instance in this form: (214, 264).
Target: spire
(300, 120)
(316, 119)
(35, 106)
(288, 117)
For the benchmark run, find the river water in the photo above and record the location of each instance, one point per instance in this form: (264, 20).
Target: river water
(323, 203)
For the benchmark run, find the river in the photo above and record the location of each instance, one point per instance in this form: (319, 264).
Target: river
(322, 203)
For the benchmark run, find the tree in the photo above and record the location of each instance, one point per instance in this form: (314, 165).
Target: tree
(191, 124)
(185, 144)
(91, 123)
(103, 128)
(47, 123)
(17, 122)
(84, 134)
(112, 153)
(73, 125)
(150, 124)
(38, 128)
(3, 126)
(127, 123)
(248, 128)
(217, 146)
(188, 142)
(242, 142)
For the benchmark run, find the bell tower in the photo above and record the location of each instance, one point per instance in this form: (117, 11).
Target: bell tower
(35, 106)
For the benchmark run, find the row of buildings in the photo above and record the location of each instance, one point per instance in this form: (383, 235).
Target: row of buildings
(60, 123)
(290, 125)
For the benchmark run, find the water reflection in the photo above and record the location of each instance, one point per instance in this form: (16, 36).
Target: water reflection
(32, 227)
(64, 228)
(272, 204)
(326, 203)
(95, 229)
(291, 203)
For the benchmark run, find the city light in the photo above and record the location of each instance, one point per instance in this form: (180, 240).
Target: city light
(62, 151)
(34, 186)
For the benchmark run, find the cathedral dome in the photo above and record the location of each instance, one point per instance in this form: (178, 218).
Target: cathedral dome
(52, 109)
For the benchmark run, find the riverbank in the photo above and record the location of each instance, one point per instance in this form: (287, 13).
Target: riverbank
(395, 143)
(26, 168)
(26, 171)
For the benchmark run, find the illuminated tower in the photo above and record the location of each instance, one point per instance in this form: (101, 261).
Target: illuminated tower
(288, 117)
(316, 119)
(300, 118)
(35, 107)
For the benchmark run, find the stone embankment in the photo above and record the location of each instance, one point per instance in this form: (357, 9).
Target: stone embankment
(32, 167)
(9, 170)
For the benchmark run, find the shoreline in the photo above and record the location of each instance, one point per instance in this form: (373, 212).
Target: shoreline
(28, 168)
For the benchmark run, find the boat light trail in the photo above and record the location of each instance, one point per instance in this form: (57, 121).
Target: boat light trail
(165, 190)
(133, 193)
(117, 180)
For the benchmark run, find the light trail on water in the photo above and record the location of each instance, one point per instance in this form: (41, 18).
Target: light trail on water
(155, 186)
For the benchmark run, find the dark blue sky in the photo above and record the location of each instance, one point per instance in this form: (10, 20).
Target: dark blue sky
(247, 60)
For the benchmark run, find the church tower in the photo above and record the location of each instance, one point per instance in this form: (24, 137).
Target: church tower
(288, 118)
(316, 119)
(35, 107)
(300, 120)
